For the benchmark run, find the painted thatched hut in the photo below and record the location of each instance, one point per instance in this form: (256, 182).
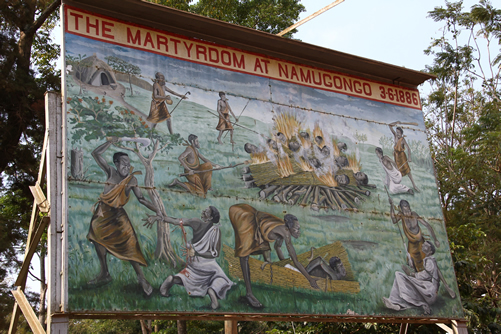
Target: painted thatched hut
(95, 72)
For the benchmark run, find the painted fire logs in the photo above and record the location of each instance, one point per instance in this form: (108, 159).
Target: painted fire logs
(304, 188)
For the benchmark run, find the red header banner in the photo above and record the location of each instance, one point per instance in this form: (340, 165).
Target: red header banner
(117, 32)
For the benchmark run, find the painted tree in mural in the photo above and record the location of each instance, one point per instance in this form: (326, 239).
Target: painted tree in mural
(463, 114)
(122, 66)
(94, 119)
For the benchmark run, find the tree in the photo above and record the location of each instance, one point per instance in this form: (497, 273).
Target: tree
(463, 116)
(92, 119)
(122, 66)
(27, 71)
(271, 16)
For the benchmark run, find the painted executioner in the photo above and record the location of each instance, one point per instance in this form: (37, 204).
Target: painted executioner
(393, 175)
(410, 224)
(254, 230)
(158, 108)
(414, 290)
(110, 228)
(224, 110)
(199, 175)
(202, 275)
(401, 159)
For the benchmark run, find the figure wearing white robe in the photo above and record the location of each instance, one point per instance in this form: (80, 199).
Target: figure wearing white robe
(408, 291)
(202, 271)
(393, 179)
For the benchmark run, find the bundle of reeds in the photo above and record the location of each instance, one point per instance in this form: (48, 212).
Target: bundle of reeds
(277, 274)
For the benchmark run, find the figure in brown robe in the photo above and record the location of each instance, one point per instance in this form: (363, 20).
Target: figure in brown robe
(158, 108)
(410, 224)
(401, 159)
(224, 124)
(110, 229)
(199, 178)
(254, 230)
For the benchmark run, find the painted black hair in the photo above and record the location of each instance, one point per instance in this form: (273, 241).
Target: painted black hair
(215, 214)
(118, 155)
(192, 137)
(289, 220)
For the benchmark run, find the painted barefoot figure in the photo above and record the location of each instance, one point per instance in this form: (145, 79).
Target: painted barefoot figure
(202, 276)
(110, 228)
(401, 158)
(158, 108)
(254, 230)
(224, 110)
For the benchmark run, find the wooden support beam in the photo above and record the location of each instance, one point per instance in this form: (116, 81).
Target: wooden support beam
(28, 312)
(230, 327)
(16, 312)
(40, 198)
(318, 12)
(23, 273)
(403, 328)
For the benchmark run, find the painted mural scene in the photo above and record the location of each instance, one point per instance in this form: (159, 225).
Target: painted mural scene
(194, 188)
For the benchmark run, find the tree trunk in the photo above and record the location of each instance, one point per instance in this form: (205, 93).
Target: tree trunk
(164, 249)
(181, 327)
(130, 83)
(43, 290)
(146, 326)
(77, 164)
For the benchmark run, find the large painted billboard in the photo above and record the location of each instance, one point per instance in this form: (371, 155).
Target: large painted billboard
(203, 178)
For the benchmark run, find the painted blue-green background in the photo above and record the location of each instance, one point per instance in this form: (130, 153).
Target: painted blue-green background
(372, 241)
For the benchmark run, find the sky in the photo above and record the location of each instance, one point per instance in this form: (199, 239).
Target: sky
(390, 31)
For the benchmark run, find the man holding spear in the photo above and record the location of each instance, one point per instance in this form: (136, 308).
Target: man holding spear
(199, 175)
(224, 110)
(158, 108)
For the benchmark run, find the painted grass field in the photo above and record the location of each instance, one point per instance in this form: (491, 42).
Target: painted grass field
(372, 241)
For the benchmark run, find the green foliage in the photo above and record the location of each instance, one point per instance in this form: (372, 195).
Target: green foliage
(271, 16)
(361, 137)
(93, 119)
(104, 326)
(122, 66)
(464, 120)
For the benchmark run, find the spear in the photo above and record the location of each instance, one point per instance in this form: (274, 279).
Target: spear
(401, 236)
(214, 169)
(238, 116)
(246, 128)
(182, 98)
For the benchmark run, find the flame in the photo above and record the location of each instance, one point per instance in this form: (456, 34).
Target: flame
(318, 132)
(304, 142)
(287, 123)
(327, 179)
(335, 149)
(284, 166)
(304, 165)
(259, 158)
(353, 163)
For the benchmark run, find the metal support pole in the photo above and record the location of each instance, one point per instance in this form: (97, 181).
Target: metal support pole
(403, 328)
(56, 293)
